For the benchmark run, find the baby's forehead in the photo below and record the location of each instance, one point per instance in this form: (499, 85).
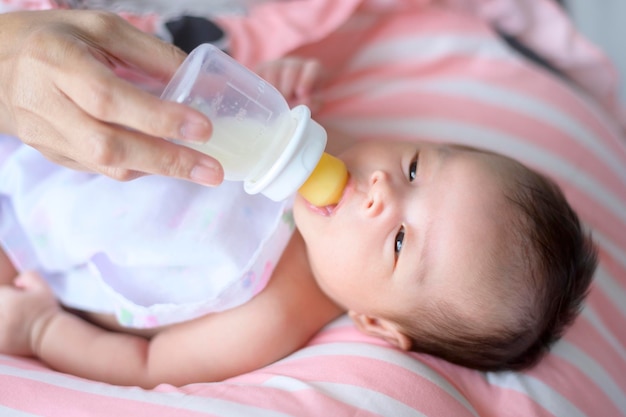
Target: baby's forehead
(504, 166)
(469, 248)
(487, 289)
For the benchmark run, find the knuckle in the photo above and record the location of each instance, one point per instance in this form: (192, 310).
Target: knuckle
(312, 67)
(102, 22)
(41, 36)
(164, 123)
(161, 118)
(28, 134)
(35, 52)
(313, 62)
(100, 100)
(172, 165)
(105, 150)
(121, 174)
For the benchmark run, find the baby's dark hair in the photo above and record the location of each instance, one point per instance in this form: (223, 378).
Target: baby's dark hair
(556, 260)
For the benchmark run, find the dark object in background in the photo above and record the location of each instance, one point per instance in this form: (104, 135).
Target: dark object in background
(190, 31)
(531, 55)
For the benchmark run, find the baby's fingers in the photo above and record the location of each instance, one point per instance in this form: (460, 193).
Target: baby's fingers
(270, 72)
(289, 80)
(293, 77)
(309, 77)
(31, 281)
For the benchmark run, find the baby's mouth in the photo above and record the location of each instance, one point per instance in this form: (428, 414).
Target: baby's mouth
(330, 209)
(323, 211)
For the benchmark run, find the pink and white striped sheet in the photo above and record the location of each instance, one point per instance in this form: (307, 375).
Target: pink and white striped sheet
(439, 74)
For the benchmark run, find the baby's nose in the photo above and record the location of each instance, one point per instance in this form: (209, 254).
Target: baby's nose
(378, 193)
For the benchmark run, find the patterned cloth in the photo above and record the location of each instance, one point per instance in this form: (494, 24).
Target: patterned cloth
(153, 251)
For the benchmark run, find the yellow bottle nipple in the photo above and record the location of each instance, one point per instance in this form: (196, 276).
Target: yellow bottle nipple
(326, 183)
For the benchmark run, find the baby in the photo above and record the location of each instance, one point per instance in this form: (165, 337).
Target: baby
(437, 248)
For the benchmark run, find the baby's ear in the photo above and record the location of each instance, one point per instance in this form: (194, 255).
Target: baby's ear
(383, 328)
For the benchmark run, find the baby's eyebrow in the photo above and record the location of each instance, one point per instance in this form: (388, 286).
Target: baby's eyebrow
(467, 148)
(421, 238)
(414, 256)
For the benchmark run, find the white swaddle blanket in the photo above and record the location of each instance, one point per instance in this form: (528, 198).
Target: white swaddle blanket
(154, 251)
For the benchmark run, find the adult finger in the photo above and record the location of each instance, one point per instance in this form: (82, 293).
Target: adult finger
(110, 33)
(109, 98)
(119, 152)
(125, 154)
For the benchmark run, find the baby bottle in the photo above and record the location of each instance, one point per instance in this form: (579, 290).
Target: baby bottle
(256, 137)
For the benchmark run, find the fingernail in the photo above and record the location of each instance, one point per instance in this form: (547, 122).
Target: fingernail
(206, 173)
(196, 131)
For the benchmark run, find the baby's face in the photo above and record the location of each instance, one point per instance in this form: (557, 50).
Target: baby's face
(418, 222)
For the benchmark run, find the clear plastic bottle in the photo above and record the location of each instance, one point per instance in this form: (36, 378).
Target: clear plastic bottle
(256, 137)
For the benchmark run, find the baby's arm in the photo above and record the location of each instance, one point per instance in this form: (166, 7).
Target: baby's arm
(211, 348)
(32, 323)
(26, 306)
(214, 347)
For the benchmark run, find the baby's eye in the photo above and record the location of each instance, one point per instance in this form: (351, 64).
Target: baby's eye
(413, 168)
(398, 241)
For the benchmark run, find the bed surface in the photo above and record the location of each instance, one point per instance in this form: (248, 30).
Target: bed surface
(442, 75)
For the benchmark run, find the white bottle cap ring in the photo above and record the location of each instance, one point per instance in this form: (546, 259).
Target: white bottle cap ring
(296, 162)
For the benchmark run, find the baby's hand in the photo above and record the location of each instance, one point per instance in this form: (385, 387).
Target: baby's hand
(296, 78)
(25, 308)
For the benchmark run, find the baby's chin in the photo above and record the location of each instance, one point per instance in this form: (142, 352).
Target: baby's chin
(298, 209)
(304, 219)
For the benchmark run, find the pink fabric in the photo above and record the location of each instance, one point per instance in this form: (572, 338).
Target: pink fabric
(542, 26)
(438, 74)
(539, 24)
(12, 5)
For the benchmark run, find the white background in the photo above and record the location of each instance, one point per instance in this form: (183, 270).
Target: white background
(604, 22)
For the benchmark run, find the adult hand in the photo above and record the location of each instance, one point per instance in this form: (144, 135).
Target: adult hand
(59, 93)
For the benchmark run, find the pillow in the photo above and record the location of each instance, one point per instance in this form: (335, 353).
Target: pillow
(429, 73)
